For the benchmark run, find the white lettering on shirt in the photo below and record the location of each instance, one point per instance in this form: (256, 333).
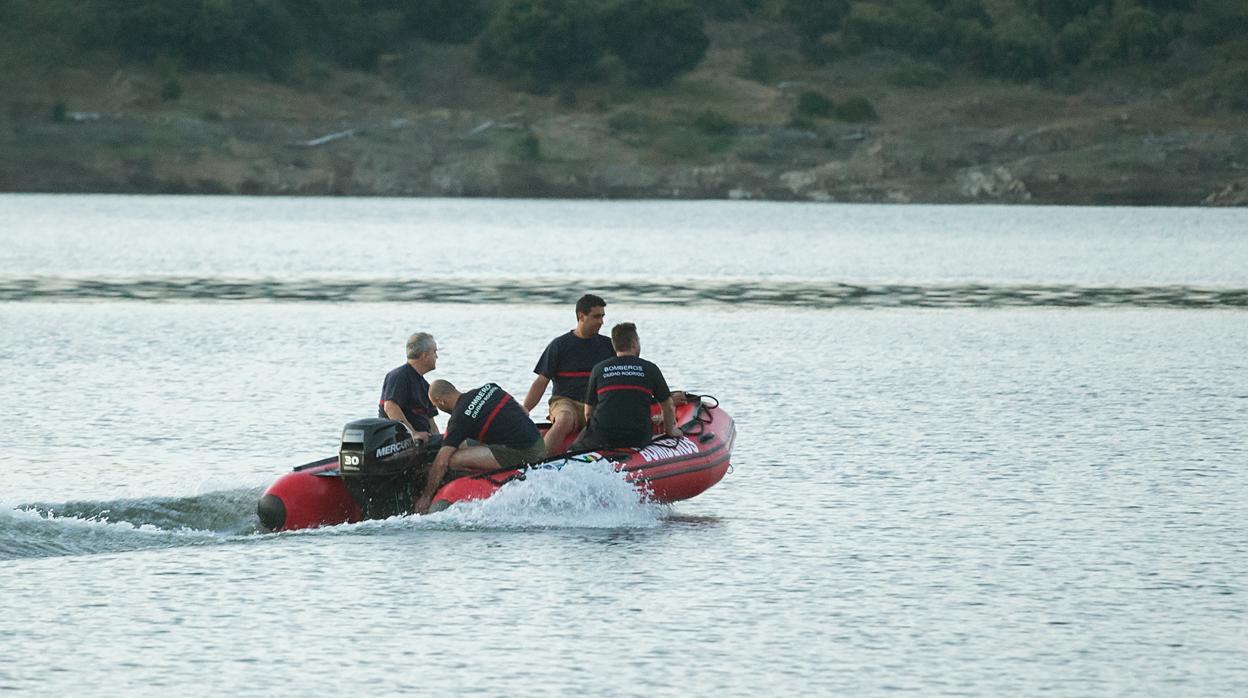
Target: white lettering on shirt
(478, 402)
(623, 370)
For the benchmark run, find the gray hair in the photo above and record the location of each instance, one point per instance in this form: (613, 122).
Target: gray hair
(418, 344)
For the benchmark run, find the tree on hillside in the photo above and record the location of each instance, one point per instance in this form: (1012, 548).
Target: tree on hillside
(452, 21)
(542, 41)
(257, 35)
(728, 9)
(655, 39)
(1139, 35)
(1059, 13)
(814, 18)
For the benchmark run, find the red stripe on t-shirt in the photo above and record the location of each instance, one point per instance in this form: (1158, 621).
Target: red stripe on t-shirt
(638, 388)
(572, 374)
(490, 419)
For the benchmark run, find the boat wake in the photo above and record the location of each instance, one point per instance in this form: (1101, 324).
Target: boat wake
(757, 292)
(87, 527)
(593, 496)
(589, 496)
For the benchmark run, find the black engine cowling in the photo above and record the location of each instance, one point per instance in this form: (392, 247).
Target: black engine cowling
(382, 466)
(375, 447)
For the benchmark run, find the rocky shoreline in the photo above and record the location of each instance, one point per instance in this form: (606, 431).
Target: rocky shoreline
(446, 155)
(968, 141)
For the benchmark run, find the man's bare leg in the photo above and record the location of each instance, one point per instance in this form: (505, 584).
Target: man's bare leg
(559, 429)
(475, 459)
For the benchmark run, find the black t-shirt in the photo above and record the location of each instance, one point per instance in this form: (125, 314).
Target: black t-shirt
(621, 390)
(410, 391)
(568, 359)
(492, 416)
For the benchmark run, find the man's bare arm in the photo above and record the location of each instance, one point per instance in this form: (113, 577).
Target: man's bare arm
(536, 391)
(393, 411)
(436, 472)
(669, 418)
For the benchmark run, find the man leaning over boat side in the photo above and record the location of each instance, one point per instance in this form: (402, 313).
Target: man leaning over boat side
(619, 395)
(567, 361)
(405, 392)
(502, 433)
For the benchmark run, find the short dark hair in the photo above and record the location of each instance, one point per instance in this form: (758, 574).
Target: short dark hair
(588, 302)
(624, 336)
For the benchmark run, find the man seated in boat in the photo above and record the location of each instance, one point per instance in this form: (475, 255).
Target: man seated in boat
(405, 392)
(567, 361)
(619, 395)
(501, 434)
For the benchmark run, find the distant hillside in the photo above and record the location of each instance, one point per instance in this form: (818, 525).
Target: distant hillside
(1048, 101)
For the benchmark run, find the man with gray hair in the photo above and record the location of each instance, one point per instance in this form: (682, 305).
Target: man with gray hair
(405, 392)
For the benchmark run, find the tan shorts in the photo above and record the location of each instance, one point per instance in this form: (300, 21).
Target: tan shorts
(559, 403)
(508, 456)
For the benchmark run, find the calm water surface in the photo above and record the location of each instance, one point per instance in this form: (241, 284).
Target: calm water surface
(981, 451)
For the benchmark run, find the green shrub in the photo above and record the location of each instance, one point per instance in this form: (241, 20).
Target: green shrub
(917, 75)
(1137, 34)
(628, 121)
(655, 39)
(856, 109)
(450, 21)
(347, 31)
(728, 9)
(171, 90)
(821, 50)
(954, 10)
(542, 41)
(680, 145)
(1224, 89)
(527, 148)
(802, 123)
(1021, 50)
(713, 123)
(254, 35)
(1217, 21)
(908, 25)
(1059, 13)
(1166, 6)
(813, 103)
(814, 18)
(972, 45)
(760, 66)
(1074, 41)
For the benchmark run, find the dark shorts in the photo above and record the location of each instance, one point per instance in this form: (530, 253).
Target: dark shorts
(508, 456)
(590, 441)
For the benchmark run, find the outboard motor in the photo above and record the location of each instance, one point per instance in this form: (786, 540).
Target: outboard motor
(381, 465)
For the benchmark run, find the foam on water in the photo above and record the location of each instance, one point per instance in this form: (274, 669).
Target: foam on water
(590, 495)
(32, 533)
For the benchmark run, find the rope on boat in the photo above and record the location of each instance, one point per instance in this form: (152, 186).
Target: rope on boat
(696, 427)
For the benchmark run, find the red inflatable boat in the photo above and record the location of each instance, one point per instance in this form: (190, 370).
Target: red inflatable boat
(379, 471)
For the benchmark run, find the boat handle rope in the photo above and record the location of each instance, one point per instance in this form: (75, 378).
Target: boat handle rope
(696, 427)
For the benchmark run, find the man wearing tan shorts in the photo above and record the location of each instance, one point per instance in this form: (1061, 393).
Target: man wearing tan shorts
(567, 362)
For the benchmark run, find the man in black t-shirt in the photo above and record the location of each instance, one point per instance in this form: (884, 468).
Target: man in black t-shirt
(405, 392)
(619, 396)
(504, 435)
(567, 361)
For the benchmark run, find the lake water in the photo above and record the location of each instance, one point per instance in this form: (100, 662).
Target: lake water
(981, 450)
